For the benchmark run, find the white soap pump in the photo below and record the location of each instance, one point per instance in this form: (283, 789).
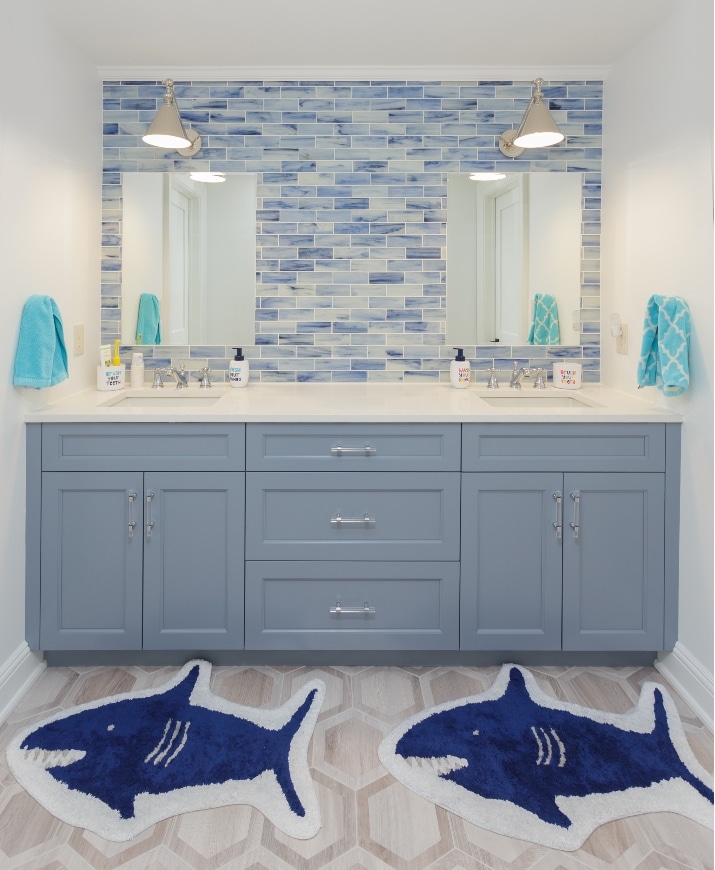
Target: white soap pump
(238, 370)
(459, 370)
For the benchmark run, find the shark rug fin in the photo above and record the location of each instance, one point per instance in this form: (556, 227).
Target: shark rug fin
(121, 764)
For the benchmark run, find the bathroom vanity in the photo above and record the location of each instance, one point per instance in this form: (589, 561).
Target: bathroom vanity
(388, 520)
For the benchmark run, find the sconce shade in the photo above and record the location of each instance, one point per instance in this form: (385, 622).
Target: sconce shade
(167, 131)
(537, 129)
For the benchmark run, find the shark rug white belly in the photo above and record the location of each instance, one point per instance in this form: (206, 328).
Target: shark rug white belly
(119, 765)
(518, 762)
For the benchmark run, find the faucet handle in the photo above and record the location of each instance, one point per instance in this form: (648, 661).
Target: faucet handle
(540, 379)
(203, 376)
(157, 378)
(492, 383)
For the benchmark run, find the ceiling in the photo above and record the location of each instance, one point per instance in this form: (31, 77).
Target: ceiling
(370, 33)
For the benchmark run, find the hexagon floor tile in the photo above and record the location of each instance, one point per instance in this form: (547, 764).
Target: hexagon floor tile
(370, 822)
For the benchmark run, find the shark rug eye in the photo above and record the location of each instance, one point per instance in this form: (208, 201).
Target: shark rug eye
(118, 766)
(518, 762)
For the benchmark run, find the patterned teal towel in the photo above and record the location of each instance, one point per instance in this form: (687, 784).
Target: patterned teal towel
(545, 325)
(148, 320)
(41, 358)
(664, 352)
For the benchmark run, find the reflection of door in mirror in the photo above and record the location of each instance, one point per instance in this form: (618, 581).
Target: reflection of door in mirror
(184, 255)
(504, 223)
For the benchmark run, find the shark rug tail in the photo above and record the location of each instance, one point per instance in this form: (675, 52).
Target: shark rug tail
(667, 738)
(301, 722)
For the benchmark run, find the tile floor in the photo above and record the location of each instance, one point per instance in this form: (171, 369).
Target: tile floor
(370, 821)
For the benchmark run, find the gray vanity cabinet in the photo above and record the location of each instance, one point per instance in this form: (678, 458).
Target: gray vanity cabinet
(144, 557)
(566, 558)
(352, 537)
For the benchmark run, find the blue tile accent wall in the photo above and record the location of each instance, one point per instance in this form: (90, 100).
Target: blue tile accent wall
(351, 213)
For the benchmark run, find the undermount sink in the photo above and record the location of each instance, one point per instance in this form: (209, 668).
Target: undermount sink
(160, 399)
(534, 399)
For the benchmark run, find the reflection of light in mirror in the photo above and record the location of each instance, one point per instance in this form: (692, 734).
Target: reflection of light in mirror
(486, 176)
(208, 177)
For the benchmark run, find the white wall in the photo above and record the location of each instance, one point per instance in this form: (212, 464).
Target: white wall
(658, 238)
(50, 223)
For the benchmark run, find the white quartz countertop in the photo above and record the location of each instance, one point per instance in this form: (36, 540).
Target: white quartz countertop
(340, 403)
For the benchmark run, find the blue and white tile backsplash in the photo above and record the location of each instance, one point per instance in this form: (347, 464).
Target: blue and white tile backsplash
(351, 213)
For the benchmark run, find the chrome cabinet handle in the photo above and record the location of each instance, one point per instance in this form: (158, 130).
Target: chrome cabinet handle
(362, 451)
(131, 495)
(365, 610)
(576, 498)
(149, 521)
(351, 521)
(558, 523)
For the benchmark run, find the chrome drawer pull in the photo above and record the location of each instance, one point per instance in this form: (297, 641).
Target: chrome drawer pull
(132, 522)
(149, 520)
(558, 525)
(366, 610)
(352, 521)
(361, 451)
(576, 497)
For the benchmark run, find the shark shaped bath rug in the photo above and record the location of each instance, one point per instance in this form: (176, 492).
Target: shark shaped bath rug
(518, 762)
(121, 764)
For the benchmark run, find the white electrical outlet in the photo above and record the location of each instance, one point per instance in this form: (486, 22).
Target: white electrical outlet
(78, 339)
(622, 340)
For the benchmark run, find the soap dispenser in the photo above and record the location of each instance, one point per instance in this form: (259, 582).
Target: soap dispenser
(238, 369)
(459, 370)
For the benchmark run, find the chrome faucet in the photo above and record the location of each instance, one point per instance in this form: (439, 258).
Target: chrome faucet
(516, 376)
(492, 383)
(157, 383)
(181, 375)
(203, 376)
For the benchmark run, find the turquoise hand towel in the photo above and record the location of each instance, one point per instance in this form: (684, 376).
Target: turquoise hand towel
(41, 357)
(666, 339)
(545, 325)
(148, 320)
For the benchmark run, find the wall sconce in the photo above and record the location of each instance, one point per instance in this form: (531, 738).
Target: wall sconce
(537, 129)
(167, 131)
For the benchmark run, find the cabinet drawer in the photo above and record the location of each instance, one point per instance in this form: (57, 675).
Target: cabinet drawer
(353, 447)
(392, 516)
(563, 447)
(383, 606)
(143, 447)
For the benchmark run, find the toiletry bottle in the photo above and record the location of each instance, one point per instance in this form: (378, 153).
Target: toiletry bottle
(459, 370)
(137, 371)
(238, 370)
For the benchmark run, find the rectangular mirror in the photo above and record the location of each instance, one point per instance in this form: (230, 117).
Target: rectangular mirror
(188, 260)
(514, 259)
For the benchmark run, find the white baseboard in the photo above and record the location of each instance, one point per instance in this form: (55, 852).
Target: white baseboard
(690, 679)
(17, 674)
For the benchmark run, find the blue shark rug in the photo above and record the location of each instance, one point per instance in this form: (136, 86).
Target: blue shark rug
(518, 762)
(121, 764)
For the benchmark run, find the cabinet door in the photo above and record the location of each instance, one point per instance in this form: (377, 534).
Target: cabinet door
(511, 561)
(193, 560)
(613, 561)
(91, 561)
